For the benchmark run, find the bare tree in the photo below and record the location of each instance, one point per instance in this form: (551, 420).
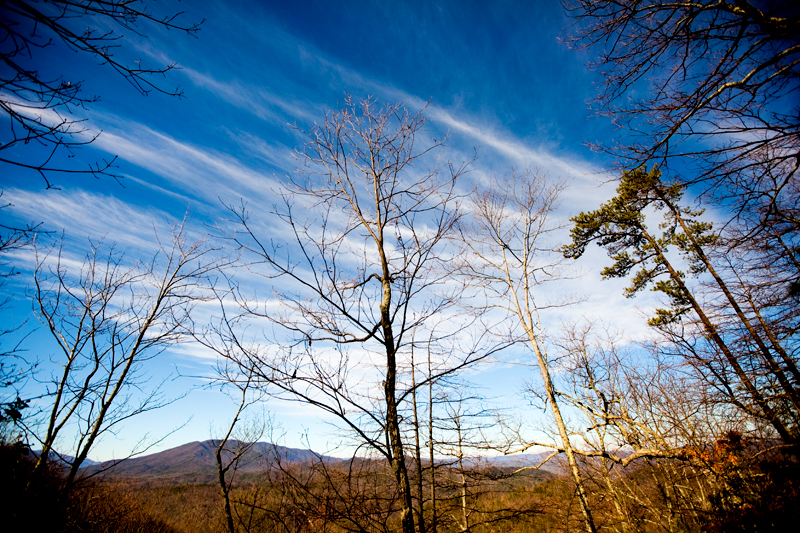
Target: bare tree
(716, 83)
(38, 103)
(108, 320)
(237, 443)
(508, 257)
(461, 436)
(661, 449)
(417, 429)
(359, 270)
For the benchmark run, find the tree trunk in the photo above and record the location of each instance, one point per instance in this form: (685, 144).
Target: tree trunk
(562, 430)
(711, 330)
(398, 459)
(417, 450)
(431, 447)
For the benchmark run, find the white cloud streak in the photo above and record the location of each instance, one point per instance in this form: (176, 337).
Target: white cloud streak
(199, 172)
(82, 214)
(262, 103)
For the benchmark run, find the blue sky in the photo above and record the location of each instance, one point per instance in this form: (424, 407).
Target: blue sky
(497, 76)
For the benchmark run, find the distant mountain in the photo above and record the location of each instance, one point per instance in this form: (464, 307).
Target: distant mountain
(519, 460)
(67, 460)
(196, 462)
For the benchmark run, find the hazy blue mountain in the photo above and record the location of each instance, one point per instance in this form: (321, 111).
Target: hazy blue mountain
(196, 461)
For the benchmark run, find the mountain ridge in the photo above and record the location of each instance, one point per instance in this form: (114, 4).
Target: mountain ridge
(195, 462)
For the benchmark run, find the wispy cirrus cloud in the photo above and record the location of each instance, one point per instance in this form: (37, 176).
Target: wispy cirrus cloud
(82, 214)
(467, 128)
(197, 171)
(262, 103)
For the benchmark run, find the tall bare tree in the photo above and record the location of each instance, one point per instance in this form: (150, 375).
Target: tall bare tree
(230, 452)
(357, 270)
(108, 320)
(510, 258)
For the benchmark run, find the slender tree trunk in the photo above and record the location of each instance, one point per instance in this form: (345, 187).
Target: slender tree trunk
(788, 389)
(562, 430)
(108, 401)
(616, 498)
(222, 470)
(417, 449)
(53, 426)
(431, 448)
(464, 514)
(223, 487)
